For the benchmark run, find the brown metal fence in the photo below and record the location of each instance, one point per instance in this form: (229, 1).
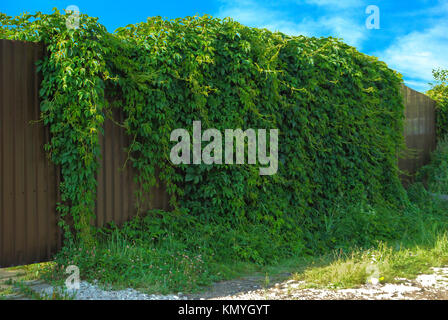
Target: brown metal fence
(419, 132)
(29, 183)
(116, 187)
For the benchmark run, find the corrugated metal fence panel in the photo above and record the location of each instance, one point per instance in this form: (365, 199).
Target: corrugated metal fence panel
(419, 133)
(28, 181)
(116, 188)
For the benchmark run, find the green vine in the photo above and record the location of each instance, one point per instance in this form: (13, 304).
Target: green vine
(439, 92)
(339, 113)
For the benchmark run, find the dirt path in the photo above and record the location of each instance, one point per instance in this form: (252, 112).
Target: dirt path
(7, 290)
(424, 287)
(238, 286)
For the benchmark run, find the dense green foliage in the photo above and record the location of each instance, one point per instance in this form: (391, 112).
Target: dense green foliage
(435, 174)
(339, 113)
(439, 92)
(164, 252)
(416, 239)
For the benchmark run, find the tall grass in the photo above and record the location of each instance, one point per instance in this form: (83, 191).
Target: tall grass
(384, 263)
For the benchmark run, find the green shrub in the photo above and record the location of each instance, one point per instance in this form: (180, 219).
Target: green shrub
(439, 92)
(339, 113)
(435, 174)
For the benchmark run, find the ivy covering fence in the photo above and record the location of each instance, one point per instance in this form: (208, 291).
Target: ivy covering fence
(339, 114)
(439, 92)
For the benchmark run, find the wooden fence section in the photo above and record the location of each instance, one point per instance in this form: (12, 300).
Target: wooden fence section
(28, 181)
(419, 132)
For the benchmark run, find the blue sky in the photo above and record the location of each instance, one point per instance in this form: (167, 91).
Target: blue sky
(412, 38)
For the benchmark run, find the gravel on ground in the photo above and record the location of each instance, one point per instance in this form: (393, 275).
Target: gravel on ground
(425, 287)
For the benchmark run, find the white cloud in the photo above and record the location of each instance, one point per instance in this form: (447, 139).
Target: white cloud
(247, 12)
(335, 3)
(438, 9)
(341, 27)
(255, 14)
(416, 54)
(420, 86)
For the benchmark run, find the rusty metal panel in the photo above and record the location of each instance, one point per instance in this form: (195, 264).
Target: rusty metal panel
(116, 200)
(419, 132)
(28, 181)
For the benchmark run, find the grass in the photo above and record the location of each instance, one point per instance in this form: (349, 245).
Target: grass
(125, 258)
(6, 290)
(19, 286)
(169, 265)
(24, 289)
(384, 263)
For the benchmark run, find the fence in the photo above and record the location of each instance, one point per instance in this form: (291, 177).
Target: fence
(419, 133)
(116, 187)
(29, 183)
